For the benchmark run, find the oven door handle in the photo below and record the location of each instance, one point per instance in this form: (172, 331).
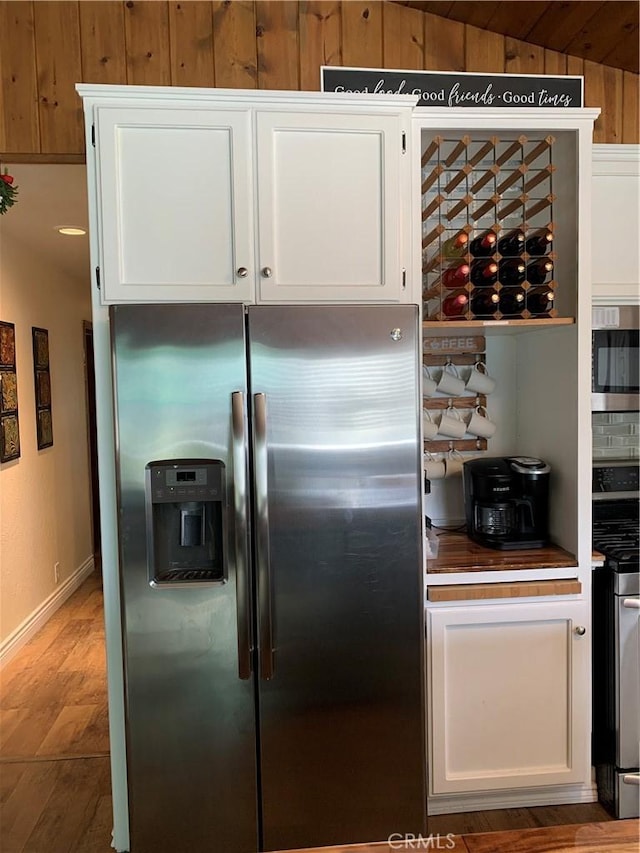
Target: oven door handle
(631, 779)
(631, 603)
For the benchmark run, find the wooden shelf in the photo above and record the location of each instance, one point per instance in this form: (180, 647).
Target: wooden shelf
(509, 326)
(457, 553)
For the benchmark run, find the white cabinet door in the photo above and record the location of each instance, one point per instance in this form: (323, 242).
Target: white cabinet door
(175, 204)
(509, 696)
(329, 206)
(616, 223)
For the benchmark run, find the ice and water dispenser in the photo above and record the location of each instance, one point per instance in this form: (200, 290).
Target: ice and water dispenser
(185, 506)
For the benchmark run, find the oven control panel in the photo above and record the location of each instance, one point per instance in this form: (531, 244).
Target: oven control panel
(614, 478)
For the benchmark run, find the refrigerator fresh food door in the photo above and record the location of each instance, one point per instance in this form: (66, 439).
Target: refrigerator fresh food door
(180, 381)
(338, 561)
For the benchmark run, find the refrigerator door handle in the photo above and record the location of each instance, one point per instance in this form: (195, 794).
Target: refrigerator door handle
(265, 621)
(243, 610)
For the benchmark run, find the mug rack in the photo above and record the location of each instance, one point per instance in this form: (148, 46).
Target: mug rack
(478, 185)
(460, 350)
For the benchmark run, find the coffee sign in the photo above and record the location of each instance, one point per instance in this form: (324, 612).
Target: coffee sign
(444, 89)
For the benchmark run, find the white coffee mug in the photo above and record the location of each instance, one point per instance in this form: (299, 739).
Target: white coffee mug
(453, 463)
(434, 468)
(429, 427)
(429, 385)
(479, 380)
(450, 382)
(479, 423)
(451, 423)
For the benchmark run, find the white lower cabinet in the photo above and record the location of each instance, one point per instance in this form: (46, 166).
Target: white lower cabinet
(508, 696)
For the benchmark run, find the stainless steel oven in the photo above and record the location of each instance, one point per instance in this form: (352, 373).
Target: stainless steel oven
(615, 365)
(616, 637)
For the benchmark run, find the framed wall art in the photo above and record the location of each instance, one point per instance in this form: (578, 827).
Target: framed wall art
(7, 346)
(42, 380)
(9, 426)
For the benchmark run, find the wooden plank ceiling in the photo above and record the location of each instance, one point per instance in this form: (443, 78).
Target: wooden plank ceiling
(603, 31)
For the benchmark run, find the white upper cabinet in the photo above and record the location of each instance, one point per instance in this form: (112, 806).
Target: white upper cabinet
(227, 195)
(329, 206)
(615, 221)
(175, 204)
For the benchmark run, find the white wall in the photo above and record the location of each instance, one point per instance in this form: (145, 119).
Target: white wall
(44, 495)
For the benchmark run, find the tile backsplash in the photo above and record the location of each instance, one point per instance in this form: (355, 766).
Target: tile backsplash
(616, 435)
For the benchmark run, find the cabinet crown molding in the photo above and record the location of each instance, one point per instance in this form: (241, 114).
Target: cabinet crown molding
(617, 152)
(621, 160)
(518, 118)
(188, 96)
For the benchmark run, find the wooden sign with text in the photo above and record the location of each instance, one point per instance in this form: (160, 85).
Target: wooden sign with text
(456, 89)
(453, 344)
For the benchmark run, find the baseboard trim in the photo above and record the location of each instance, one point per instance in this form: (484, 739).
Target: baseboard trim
(41, 615)
(516, 799)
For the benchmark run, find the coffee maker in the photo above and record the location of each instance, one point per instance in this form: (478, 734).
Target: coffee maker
(507, 502)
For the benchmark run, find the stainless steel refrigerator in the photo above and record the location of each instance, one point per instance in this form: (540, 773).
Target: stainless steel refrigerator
(269, 488)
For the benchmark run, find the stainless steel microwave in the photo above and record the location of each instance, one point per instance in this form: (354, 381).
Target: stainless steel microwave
(615, 365)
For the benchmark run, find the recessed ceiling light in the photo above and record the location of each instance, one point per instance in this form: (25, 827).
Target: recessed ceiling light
(71, 230)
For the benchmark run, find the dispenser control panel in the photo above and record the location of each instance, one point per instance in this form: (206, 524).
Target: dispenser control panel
(177, 483)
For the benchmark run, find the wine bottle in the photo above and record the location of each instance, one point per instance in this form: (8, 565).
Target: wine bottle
(511, 300)
(455, 246)
(484, 245)
(456, 276)
(540, 300)
(512, 244)
(511, 272)
(483, 273)
(484, 303)
(537, 271)
(455, 304)
(539, 242)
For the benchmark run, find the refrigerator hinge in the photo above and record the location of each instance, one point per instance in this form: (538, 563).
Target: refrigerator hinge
(93, 135)
(98, 277)
(404, 142)
(404, 278)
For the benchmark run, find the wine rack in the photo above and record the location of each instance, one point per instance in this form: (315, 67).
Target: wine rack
(487, 228)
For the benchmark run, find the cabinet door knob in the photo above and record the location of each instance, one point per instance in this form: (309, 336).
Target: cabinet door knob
(266, 272)
(580, 630)
(242, 272)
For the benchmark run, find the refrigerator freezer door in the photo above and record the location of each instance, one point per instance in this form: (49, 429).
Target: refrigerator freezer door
(190, 717)
(341, 708)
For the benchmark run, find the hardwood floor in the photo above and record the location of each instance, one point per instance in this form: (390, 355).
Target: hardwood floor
(55, 792)
(55, 789)
(506, 819)
(608, 837)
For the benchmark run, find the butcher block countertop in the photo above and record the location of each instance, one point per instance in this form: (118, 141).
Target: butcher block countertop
(457, 553)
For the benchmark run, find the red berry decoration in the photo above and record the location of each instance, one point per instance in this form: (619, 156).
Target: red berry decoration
(8, 192)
